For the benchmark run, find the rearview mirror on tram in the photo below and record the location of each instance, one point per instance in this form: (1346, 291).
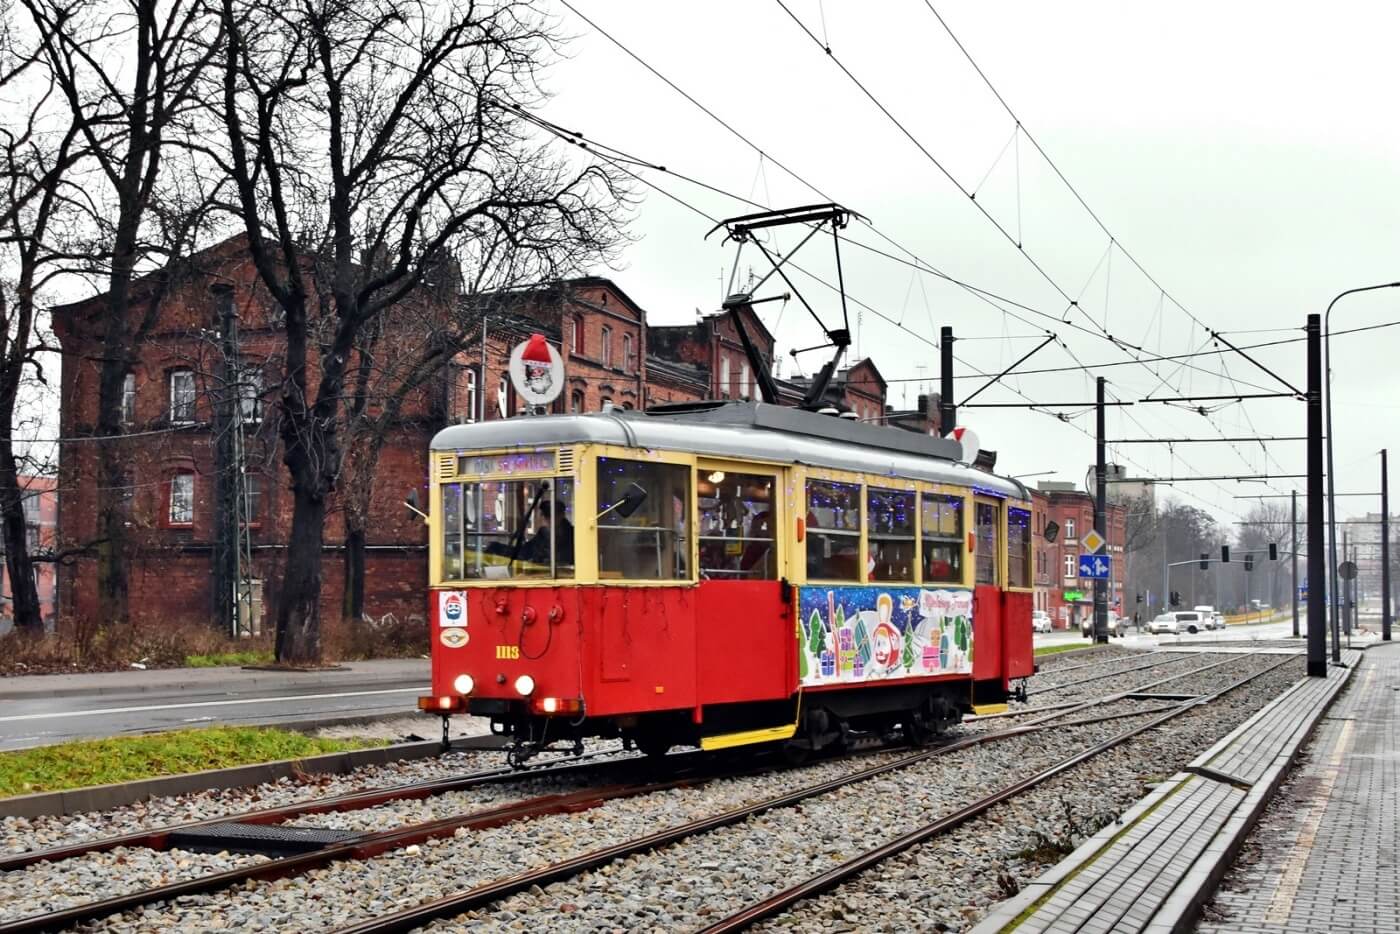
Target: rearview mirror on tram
(631, 501)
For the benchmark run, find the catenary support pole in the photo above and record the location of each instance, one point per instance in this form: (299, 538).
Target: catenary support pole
(1317, 555)
(1100, 508)
(1294, 561)
(947, 406)
(1385, 550)
(1348, 590)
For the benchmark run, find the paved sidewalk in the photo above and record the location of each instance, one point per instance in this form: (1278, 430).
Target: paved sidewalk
(1323, 859)
(211, 680)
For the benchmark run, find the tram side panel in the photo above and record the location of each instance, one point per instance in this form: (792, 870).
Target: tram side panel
(1019, 653)
(744, 641)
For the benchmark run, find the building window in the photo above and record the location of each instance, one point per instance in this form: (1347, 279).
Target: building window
(576, 335)
(250, 392)
(181, 496)
(181, 396)
(503, 397)
(31, 539)
(604, 402)
(252, 499)
(469, 394)
(30, 502)
(576, 401)
(1069, 530)
(629, 361)
(128, 398)
(745, 387)
(1071, 567)
(724, 376)
(607, 346)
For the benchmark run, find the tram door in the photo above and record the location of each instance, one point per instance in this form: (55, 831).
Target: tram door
(743, 627)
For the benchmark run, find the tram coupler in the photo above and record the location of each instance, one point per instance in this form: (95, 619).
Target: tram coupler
(1020, 693)
(446, 733)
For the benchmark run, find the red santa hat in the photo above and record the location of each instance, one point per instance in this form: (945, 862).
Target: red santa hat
(536, 351)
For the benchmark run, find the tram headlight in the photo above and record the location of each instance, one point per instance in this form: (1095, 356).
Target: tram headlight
(463, 684)
(524, 685)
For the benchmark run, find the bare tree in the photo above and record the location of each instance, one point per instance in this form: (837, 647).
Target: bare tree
(368, 140)
(38, 153)
(128, 73)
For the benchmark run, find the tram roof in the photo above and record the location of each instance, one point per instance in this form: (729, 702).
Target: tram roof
(744, 431)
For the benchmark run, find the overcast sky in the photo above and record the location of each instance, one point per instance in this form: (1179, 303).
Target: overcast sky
(1246, 154)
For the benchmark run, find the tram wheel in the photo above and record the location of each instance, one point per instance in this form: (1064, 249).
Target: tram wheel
(796, 752)
(916, 730)
(653, 745)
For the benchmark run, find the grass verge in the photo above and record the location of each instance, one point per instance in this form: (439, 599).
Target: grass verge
(129, 758)
(1063, 647)
(222, 659)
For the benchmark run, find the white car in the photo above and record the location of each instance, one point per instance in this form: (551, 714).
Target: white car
(1176, 622)
(1040, 621)
(1116, 625)
(1218, 620)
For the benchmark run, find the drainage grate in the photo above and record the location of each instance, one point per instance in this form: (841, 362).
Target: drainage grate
(267, 839)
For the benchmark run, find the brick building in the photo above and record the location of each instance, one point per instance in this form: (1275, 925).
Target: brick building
(610, 353)
(1069, 597)
(1045, 567)
(41, 526)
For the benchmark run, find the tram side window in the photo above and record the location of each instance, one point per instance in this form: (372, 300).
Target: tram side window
(889, 517)
(736, 526)
(643, 520)
(1018, 548)
(942, 522)
(503, 529)
(988, 542)
(833, 531)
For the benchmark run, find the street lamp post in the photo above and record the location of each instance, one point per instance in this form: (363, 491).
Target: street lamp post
(1331, 476)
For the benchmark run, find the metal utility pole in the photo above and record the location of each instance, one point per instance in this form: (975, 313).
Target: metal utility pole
(1100, 508)
(947, 407)
(226, 467)
(1294, 561)
(1385, 550)
(1317, 561)
(1348, 589)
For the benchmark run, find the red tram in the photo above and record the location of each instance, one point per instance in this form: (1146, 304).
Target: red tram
(720, 574)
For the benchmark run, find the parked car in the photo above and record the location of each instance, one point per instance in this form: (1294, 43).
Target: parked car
(1219, 620)
(1116, 625)
(1207, 615)
(1040, 621)
(1177, 622)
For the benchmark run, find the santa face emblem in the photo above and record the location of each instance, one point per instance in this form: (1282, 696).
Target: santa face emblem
(538, 377)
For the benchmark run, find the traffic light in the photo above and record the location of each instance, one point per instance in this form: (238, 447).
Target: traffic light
(1139, 598)
(1176, 598)
(1205, 561)
(1249, 562)
(1225, 554)
(1273, 551)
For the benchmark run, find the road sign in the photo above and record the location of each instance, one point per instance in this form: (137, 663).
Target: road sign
(1095, 567)
(1347, 570)
(1092, 541)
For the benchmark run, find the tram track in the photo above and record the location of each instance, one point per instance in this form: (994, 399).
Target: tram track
(369, 844)
(498, 889)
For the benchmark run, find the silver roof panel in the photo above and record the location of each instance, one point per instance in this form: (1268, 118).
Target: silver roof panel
(744, 431)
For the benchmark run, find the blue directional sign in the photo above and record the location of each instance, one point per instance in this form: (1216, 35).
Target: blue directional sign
(1095, 567)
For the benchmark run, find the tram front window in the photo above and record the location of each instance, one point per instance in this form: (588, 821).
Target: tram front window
(505, 529)
(643, 538)
(736, 526)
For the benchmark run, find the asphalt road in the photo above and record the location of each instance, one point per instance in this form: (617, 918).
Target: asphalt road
(37, 711)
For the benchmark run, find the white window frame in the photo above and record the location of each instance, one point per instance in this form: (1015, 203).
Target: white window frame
(128, 398)
(1069, 531)
(470, 392)
(188, 477)
(628, 353)
(745, 380)
(1071, 567)
(185, 417)
(250, 391)
(724, 376)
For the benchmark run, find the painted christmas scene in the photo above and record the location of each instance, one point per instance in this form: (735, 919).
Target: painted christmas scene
(847, 634)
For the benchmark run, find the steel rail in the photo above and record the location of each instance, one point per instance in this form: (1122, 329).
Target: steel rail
(448, 906)
(155, 838)
(825, 881)
(1111, 674)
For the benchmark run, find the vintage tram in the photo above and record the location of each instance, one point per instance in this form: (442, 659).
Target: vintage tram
(719, 574)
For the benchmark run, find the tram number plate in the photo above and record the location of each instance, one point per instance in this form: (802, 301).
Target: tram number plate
(507, 651)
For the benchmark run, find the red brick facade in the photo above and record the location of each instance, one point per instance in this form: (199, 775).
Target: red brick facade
(41, 523)
(1073, 510)
(610, 356)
